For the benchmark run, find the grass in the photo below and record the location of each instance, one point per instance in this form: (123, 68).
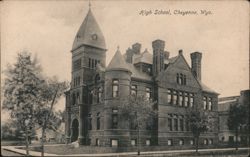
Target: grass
(67, 149)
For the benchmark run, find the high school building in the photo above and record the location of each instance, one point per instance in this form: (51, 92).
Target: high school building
(97, 90)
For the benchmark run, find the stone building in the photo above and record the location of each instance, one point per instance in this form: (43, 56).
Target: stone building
(227, 136)
(96, 90)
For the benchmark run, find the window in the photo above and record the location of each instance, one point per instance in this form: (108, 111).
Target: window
(178, 79)
(89, 62)
(187, 125)
(91, 97)
(133, 142)
(97, 143)
(170, 142)
(175, 123)
(74, 99)
(181, 79)
(204, 103)
(181, 123)
(89, 122)
(148, 142)
(205, 142)
(93, 63)
(180, 99)
(174, 97)
(170, 124)
(98, 123)
(99, 95)
(170, 96)
(114, 119)
(170, 128)
(184, 80)
(181, 142)
(192, 142)
(210, 141)
(133, 90)
(115, 88)
(114, 143)
(191, 100)
(77, 98)
(148, 93)
(186, 100)
(231, 139)
(210, 104)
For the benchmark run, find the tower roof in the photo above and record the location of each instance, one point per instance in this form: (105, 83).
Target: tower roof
(89, 33)
(118, 62)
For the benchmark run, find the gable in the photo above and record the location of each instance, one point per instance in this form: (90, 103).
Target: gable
(168, 76)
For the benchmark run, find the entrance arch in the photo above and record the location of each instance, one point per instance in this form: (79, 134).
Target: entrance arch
(75, 130)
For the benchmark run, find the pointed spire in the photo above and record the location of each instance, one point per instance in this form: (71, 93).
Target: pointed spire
(89, 5)
(89, 33)
(118, 62)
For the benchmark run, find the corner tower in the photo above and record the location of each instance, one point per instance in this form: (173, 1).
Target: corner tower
(89, 49)
(88, 53)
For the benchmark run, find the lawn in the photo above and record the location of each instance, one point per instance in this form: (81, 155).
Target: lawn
(68, 149)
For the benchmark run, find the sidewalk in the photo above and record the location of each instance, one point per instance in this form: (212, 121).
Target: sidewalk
(34, 153)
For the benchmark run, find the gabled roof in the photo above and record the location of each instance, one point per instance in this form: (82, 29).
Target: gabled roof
(89, 34)
(118, 62)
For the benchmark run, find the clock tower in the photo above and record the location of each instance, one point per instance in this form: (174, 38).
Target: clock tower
(88, 52)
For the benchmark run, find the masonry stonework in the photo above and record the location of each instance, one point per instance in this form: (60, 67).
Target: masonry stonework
(96, 90)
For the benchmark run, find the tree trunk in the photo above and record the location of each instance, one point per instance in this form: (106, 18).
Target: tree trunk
(138, 137)
(27, 141)
(236, 142)
(197, 144)
(42, 144)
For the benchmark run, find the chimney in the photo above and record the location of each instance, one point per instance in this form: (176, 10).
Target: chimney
(158, 56)
(180, 52)
(129, 54)
(136, 48)
(196, 64)
(166, 55)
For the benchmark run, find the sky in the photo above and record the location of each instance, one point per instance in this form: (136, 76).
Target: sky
(47, 30)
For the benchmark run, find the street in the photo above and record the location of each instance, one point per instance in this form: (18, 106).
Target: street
(9, 153)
